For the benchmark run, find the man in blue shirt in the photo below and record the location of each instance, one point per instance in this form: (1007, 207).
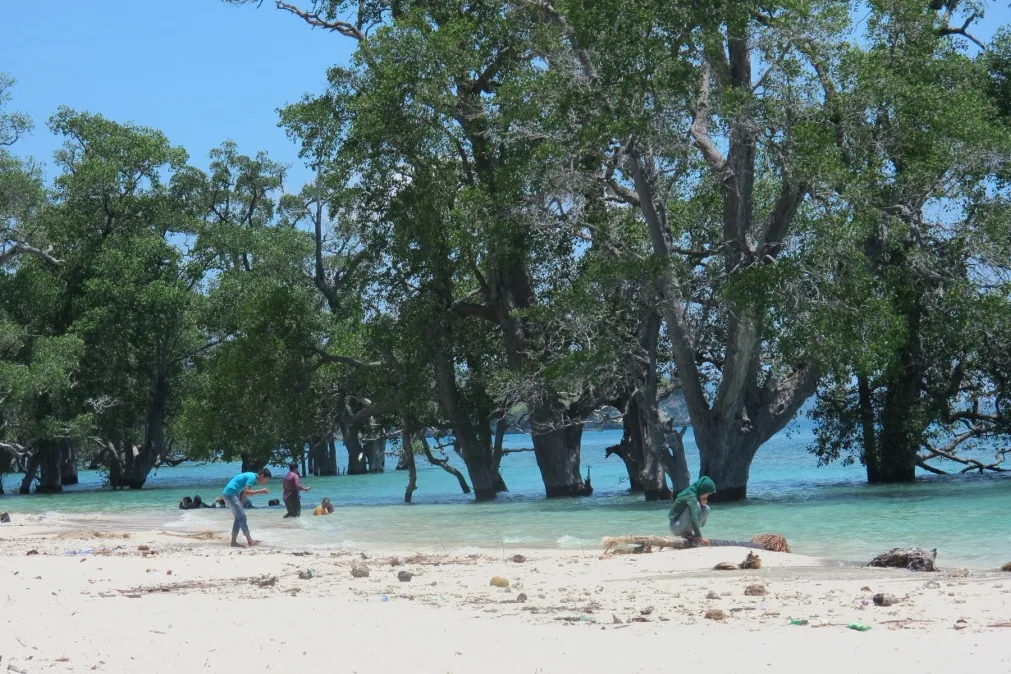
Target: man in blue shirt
(236, 491)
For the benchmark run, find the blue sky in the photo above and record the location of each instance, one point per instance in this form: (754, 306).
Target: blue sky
(200, 71)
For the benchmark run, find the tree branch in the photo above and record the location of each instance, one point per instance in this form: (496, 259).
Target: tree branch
(316, 20)
(444, 464)
(778, 222)
(963, 31)
(475, 310)
(25, 249)
(343, 360)
(700, 124)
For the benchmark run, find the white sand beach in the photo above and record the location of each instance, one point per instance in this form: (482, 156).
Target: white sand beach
(192, 603)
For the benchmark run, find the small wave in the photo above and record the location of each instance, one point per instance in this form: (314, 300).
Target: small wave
(521, 540)
(571, 542)
(468, 550)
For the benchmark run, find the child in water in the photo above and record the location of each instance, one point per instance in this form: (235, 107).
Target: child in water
(324, 508)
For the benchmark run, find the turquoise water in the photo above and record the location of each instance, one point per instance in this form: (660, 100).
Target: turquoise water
(825, 511)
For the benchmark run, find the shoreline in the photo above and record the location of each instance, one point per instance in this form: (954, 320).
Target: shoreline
(190, 602)
(317, 540)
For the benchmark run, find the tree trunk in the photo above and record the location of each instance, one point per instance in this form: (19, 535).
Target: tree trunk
(726, 458)
(375, 454)
(403, 462)
(31, 469)
(651, 477)
(407, 458)
(51, 478)
(867, 424)
(477, 456)
(624, 451)
(6, 466)
(501, 426)
(357, 464)
(324, 461)
(898, 444)
(895, 452)
(557, 452)
(68, 464)
(145, 457)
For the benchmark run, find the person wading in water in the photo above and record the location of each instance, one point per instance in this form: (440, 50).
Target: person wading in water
(293, 491)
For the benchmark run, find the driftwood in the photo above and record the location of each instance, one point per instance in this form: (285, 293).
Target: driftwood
(610, 543)
(914, 559)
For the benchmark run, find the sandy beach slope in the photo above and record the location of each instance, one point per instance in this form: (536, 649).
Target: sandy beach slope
(193, 604)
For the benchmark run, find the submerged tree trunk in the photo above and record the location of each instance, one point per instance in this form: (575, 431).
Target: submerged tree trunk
(476, 455)
(31, 469)
(357, 464)
(324, 460)
(375, 454)
(651, 475)
(68, 464)
(895, 452)
(501, 426)
(143, 460)
(407, 458)
(51, 476)
(557, 452)
(726, 457)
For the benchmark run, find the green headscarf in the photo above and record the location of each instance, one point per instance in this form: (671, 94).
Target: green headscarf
(703, 485)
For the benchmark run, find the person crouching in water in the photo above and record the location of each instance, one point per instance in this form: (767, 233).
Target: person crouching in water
(235, 493)
(691, 510)
(324, 508)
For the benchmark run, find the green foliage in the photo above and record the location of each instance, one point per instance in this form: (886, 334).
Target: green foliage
(926, 143)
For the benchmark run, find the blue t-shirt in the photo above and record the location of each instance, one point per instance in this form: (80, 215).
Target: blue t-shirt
(238, 483)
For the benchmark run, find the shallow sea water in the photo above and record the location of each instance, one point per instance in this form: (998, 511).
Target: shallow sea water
(823, 511)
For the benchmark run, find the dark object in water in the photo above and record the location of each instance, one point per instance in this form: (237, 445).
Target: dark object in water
(914, 559)
(274, 502)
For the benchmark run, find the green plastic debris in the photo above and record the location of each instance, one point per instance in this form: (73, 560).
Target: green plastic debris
(858, 627)
(798, 621)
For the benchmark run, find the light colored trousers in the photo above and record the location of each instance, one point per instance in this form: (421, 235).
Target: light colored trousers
(682, 524)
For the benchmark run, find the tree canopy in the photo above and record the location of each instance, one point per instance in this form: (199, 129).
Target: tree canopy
(529, 214)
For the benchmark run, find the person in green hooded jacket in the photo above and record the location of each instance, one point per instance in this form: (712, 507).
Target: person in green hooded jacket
(691, 509)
